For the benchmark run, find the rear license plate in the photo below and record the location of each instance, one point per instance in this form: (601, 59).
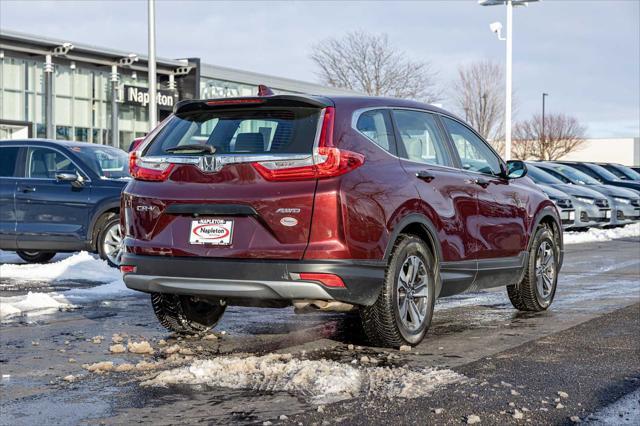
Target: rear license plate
(568, 215)
(215, 232)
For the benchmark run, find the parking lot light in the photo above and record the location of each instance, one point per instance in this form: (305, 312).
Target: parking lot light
(496, 27)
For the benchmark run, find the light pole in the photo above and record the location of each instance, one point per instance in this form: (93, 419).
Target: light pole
(544, 95)
(153, 106)
(496, 27)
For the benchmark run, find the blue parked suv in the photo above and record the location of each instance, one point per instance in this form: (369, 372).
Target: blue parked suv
(61, 196)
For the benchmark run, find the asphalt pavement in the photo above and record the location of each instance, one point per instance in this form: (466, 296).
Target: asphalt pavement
(497, 365)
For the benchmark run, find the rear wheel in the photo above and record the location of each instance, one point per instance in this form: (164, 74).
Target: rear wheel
(36, 256)
(109, 243)
(538, 287)
(186, 314)
(402, 314)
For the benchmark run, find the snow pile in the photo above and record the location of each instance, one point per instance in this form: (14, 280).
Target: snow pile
(322, 381)
(31, 303)
(79, 267)
(597, 235)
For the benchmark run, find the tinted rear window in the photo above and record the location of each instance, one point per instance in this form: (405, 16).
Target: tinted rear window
(106, 162)
(8, 157)
(255, 131)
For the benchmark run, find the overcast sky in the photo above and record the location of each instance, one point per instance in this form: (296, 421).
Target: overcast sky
(585, 54)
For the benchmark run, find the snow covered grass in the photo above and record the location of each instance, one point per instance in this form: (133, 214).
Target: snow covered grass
(321, 381)
(78, 267)
(597, 235)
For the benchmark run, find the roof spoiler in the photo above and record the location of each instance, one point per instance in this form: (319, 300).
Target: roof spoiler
(266, 97)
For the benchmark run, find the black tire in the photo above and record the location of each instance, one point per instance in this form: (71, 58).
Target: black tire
(527, 294)
(36, 256)
(185, 314)
(382, 322)
(103, 227)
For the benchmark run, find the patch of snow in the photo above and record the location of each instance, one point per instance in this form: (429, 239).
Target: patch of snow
(598, 235)
(322, 381)
(80, 266)
(625, 411)
(32, 304)
(12, 257)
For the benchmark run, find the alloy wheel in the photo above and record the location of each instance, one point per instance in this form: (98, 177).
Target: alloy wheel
(112, 244)
(545, 269)
(413, 293)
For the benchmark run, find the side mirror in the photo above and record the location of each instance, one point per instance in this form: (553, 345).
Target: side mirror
(75, 180)
(516, 169)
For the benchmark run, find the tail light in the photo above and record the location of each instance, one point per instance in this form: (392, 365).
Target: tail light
(329, 280)
(128, 269)
(150, 170)
(326, 161)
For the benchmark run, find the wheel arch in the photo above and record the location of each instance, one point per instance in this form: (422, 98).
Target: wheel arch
(548, 216)
(420, 226)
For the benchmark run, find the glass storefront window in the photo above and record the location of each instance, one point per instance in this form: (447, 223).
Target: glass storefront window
(95, 136)
(212, 88)
(82, 134)
(82, 112)
(62, 111)
(12, 74)
(125, 140)
(82, 84)
(62, 80)
(63, 133)
(13, 105)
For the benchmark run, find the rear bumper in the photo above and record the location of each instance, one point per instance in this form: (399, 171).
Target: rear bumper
(254, 279)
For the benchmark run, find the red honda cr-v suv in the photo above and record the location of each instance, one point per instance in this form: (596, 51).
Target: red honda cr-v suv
(380, 205)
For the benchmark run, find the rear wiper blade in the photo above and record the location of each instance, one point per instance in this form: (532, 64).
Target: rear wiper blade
(191, 149)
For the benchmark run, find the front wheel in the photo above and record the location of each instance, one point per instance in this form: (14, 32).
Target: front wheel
(185, 314)
(538, 286)
(402, 313)
(36, 256)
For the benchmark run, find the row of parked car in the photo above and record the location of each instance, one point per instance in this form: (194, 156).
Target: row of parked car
(589, 194)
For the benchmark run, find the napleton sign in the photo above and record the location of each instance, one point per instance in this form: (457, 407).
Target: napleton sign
(134, 95)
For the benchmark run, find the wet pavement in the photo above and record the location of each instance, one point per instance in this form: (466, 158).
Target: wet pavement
(591, 325)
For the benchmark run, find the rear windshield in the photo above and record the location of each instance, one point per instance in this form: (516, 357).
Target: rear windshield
(255, 131)
(106, 162)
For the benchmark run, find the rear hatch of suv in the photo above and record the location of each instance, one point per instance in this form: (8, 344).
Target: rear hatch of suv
(232, 178)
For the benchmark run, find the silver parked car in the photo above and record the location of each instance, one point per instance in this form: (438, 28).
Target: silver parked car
(564, 203)
(624, 202)
(591, 207)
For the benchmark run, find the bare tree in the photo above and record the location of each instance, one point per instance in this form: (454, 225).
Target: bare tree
(479, 97)
(369, 63)
(562, 134)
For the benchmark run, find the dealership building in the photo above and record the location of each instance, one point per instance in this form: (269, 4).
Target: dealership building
(64, 90)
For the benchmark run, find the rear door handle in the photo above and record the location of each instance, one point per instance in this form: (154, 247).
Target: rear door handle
(425, 175)
(482, 182)
(26, 189)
